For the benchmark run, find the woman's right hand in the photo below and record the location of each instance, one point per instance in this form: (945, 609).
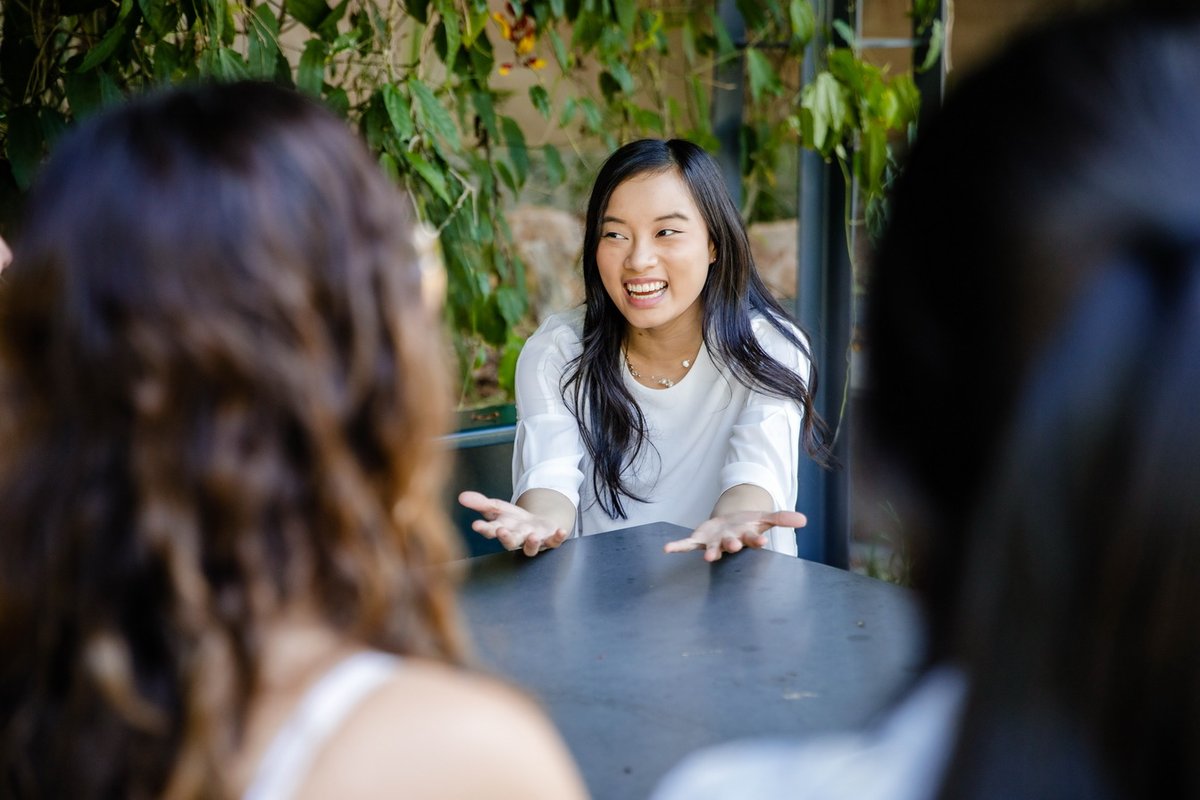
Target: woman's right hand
(513, 526)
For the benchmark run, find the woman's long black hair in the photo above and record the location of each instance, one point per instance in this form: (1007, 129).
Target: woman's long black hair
(1040, 284)
(610, 422)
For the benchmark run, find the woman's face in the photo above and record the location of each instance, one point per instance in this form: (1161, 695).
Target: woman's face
(654, 252)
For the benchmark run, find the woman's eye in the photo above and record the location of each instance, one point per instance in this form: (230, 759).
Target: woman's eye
(668, 232)
(612, 235)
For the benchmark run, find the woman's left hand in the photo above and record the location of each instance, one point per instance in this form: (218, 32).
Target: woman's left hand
(731, 532)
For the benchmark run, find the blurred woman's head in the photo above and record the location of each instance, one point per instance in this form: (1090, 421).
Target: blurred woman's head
(1035, 351)
(220, 396)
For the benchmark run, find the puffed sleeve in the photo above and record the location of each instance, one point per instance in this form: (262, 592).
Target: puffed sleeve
(764, 445)
(547, 451)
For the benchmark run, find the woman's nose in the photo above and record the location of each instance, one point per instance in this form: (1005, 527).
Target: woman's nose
(642, 255)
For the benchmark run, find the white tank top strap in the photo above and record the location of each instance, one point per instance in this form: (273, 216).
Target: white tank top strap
(321, 711)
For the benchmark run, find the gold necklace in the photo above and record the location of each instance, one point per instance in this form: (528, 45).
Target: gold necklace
(666, 383)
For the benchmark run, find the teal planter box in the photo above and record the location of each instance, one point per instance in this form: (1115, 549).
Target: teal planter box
(482, 449)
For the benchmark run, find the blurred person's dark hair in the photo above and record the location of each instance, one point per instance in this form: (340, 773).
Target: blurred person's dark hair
(219, 399)
(1035, 356)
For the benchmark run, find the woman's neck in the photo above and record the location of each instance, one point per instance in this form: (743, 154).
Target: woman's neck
(659, 358)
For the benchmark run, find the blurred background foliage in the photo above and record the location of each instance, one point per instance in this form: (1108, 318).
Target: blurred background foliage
(437, 88)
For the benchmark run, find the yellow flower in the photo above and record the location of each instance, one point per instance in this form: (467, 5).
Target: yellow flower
(526, 44)
(536, 63)
(505, 28)
(505, 69)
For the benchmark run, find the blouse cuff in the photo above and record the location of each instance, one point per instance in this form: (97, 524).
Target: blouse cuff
(741, 472)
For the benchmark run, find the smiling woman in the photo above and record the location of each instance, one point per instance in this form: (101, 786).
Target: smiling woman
(680, 392)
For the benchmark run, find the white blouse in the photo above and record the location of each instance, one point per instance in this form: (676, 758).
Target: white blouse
(707, 433)
(904, 757)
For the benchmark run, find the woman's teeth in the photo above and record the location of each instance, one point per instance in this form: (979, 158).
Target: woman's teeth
(647, 289)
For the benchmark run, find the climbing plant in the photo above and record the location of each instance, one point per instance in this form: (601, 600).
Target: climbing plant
(424, 81)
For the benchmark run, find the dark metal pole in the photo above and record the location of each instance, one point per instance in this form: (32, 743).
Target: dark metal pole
(823, 286)
(727, 98)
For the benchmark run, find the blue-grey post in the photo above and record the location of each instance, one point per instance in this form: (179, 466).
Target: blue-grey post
(823, 298)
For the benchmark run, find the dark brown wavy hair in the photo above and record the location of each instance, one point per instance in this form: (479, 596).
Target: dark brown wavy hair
(219, 398)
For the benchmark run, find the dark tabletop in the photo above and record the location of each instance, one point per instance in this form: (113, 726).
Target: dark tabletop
(641, 657)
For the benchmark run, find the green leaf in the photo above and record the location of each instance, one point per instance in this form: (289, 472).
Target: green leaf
(216, 17)
(263, 48)
(433, 117)
(106, 46)
(845, 32)
(110, 93)
(83, 92)
(568, 112)
(687, 35)
(609, 86)
(328, 29)
(230, 66)
(338, 101)
(518, 153)
(430, 174)
(725, 46)
(763, 78)
(476, 23)
(161, 15)
(506, 176)
(487, 113)
(557, 9)
(453, 36)
(310, 13)
(166, 62)
(374, 123)
(556, 173)
(875, 157)
(648, 120)
(310, 75)
(399, 112)
(700, 97)
(937, 40)
(591, 114)
(626, 11)
(803, 21)
(418, 10)
(506, 369)
(390, 167)
(560, 51)
(25, 144)
(540, 99)
(482, 56)
(827, 113)
(622, 75)
(511, 303)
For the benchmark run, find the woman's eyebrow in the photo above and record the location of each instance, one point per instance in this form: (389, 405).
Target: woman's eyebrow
(672, 215)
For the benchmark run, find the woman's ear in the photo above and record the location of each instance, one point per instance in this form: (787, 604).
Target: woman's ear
(712, 253)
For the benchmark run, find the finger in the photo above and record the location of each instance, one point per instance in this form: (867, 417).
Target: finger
(712, 552)
(786, 519)
(484, 528)
(756, 540)
(532, 546)
(556, 539)
(474, 500)
(682, 546)
(731, 544)
(509, 539)
(489, 507)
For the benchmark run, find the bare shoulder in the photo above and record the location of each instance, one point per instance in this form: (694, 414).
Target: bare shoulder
(437, 731)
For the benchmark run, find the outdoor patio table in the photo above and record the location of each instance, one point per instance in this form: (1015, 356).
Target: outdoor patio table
(641, 657)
